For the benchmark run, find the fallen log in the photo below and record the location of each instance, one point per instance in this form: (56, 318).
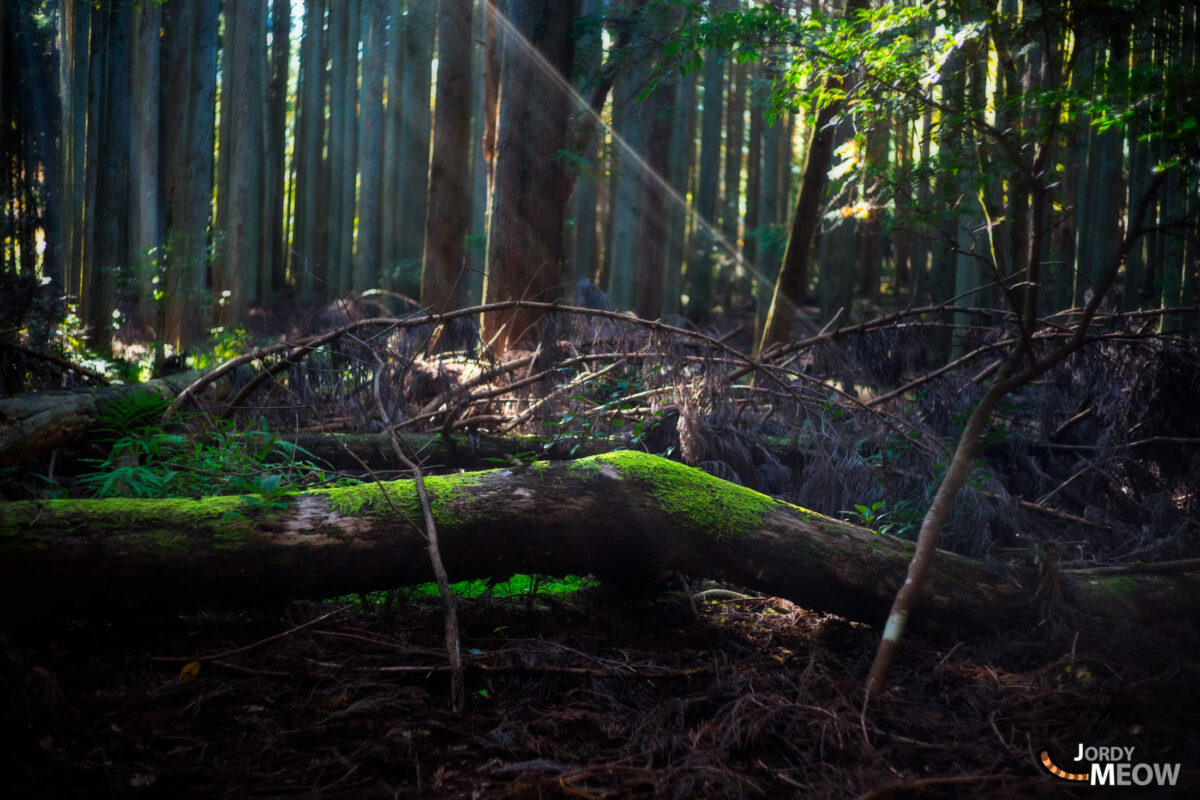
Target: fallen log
(37, 422)
(619, 515)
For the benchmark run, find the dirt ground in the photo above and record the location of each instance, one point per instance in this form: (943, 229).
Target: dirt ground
(594, 696)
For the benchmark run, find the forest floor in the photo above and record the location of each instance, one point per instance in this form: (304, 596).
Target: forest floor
(590, 694)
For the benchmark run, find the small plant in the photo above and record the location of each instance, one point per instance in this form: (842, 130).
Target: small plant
(902, 519)
(611, 400)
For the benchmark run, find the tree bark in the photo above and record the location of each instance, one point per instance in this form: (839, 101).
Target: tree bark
(37, 422)
(145, 219)
(274, 244)
(369, 248)
(448, 207)
(618, 516)
(525, 238)
(700, 269)
(415, 135)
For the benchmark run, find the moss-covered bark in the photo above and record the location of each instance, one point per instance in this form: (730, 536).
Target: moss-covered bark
(615, 515)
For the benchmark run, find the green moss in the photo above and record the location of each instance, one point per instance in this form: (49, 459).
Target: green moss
(1114, 587)
(141, 525)
(699, 501)
(443, 491)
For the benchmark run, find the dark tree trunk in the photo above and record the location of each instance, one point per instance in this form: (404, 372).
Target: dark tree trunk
(793, 275)
(274, 245)
(368, 249)
(448, 210)
(525, 247)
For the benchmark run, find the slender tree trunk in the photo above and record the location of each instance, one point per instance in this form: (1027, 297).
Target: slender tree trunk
(414, 142)
(700, 269)
(902, 282)
(632, 119)
(308, 263)
(368, 250)
(145, 219)
(735, 148)
(920, 250)
(274, 245)
(870, 232)
(651, 256)
(585, 247)
(768, 254)
(340, 128)
(243, 114)
(754, 155)
(448, 209)
(793, 275)
(678, 168)
(75, 63)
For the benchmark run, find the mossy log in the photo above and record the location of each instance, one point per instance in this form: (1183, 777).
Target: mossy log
(350, 451)
(620, 516)
(37, 422)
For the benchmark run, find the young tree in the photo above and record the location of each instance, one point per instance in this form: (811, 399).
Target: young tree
(793, 275)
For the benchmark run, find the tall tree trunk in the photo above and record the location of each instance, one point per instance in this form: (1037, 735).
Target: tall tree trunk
(448, 209)
(242, 112)
(145, 219)
(950, 154)
(973, 251)
(731, 195)
(902, 282)
(393, 130)
(76, 22)
(344, 256)
(754, 154)
(274, 243)
(414, 142)
(368, 249)
(342, 61)
(631, 121)
(525, 247)
(477, 252)
(308, 263)
(793, 275)
(920, 248)
(679, 166)
(651, 254)
(188, 107)
(870, 232)
(768, 255)
(585, 248)
(700, 268)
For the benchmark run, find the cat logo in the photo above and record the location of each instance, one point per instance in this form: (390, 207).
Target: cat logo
(1114, 766)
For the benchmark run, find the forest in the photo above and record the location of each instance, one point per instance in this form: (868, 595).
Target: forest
(599, 398)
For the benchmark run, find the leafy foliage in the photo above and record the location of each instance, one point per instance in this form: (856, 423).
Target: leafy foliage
(144, 460)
